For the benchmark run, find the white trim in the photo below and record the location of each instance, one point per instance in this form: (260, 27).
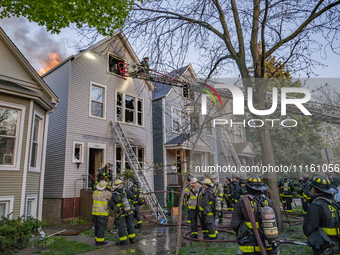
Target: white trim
(108, 65)
(34, 205)
(123, 161)
(26, 165)
(92, 83)
(81, 152)
(40, 141)
(19, 136)
(43, 162)
(11, 203)
(172, 120)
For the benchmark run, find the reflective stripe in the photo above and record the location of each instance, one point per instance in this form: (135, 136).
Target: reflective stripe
(192, 207)
(192, 197)
(229, 195)
(211, 202)
(187, 190)
(139, 222)
(250, 226)
(201, 209)
(205, 231)
(210, 213)
(331, 231)
(194, 233)
(216, 232)
(282, 195)
(100, 213)
(132, 235)
(221, 195)
(123, 238)
(250, 249)
(289, 210)
(213, 235)
(100, 202)
(100, 239)
(189, 221)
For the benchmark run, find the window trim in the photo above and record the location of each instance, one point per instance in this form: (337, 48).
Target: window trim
(123, 161)
(108, 66)
(19, 135)
(92, 83)
(40, 142)
(211, 128)
(81, 152)
(172, 120)
(35, 208)
(123, 108)
(9, 199)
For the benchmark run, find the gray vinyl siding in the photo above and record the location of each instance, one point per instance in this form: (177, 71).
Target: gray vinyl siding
(158, 148)
(87, 129)
(11, 181)
(58, 81)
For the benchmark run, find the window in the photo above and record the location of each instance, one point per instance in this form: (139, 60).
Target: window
(113, 64)
(208, 126)
(176, 120)
(78, 152)
(31, 206)
(131, 111)
(6, 206)
(98, 98)
(10, 137)
(36, 145)
(194, 123)
(119, 106)
(186, 92)
(124, 164)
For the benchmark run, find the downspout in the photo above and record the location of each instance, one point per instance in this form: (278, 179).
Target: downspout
(74, 196)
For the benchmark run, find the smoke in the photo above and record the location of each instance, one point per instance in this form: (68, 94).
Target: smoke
(35, 43)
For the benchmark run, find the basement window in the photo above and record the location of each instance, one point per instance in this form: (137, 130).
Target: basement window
(113, 64)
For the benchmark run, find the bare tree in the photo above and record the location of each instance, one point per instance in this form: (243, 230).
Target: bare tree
(243, 35)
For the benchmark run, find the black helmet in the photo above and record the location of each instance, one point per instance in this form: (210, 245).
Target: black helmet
(285, 175)
(323, 184)
(135, 181)
(254, 182)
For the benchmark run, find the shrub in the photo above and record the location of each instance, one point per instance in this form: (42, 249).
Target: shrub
(16, 233)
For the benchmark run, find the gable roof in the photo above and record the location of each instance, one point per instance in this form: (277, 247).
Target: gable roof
(240, 149)
(119, 33)
(29, 69)
(162, 90)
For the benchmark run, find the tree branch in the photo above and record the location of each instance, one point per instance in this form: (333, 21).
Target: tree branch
(217, 63)
(238, 30)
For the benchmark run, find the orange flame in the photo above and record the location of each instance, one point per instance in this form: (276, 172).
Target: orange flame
(51, 64)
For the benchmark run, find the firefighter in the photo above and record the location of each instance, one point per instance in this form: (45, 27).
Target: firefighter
(206, 210)
(145, 62)
(227, 193)
(286, 189)
(121, 204)
(321, 224)
(218, 189)
(240, 220)
(138, 193)
(195, 191)
(100, 211)
(236, 191)
(306, 193)
(187, 195)
(105, 173)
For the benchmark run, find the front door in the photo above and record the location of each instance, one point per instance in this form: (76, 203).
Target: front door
(96, 161)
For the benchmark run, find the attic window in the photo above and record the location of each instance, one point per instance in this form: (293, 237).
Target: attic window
(113, 64)
(186, 91)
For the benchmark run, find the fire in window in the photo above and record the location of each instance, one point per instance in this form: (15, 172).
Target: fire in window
(113, 64)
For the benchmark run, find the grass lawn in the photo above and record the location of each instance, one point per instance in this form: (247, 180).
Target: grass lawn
(61, 246)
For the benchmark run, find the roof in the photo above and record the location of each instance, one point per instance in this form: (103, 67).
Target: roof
(161, 89)
(11, 85)
(28, 67)
(179, 139)
(240, 147)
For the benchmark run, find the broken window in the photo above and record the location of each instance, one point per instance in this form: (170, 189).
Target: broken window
(113, 64)
(140, 112)
(129, 109)
(119, 106)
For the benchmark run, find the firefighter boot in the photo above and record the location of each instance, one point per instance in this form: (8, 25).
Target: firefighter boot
(121, 243)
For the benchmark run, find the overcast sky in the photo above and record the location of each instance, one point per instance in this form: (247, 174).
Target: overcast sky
(35, 43)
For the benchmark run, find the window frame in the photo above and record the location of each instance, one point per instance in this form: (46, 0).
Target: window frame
(209, 127)
(123, 109)
(34, 206)
(9, 206)
(108, 64)
(19, 135)
(172, 120)
(123, 162)
(104, 98)
(40, 142)
(81, 152)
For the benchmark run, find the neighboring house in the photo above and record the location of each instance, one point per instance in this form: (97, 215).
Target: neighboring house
(175, 132)
(25, 104)
(93, 93)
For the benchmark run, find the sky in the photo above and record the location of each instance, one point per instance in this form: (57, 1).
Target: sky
(38, 47)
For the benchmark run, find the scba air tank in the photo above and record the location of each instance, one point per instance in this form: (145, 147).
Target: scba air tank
(269, 223)
(126, 205)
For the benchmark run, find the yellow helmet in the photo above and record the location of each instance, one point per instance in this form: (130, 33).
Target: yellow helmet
(207, 182)
(117, 182)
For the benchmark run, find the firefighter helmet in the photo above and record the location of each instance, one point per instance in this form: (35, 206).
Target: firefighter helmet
(285, 175)
(208, 182)
(193, 180)
(101, 185)
(213, 177)
(255, 183)
(117, 182)
(323, 184)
